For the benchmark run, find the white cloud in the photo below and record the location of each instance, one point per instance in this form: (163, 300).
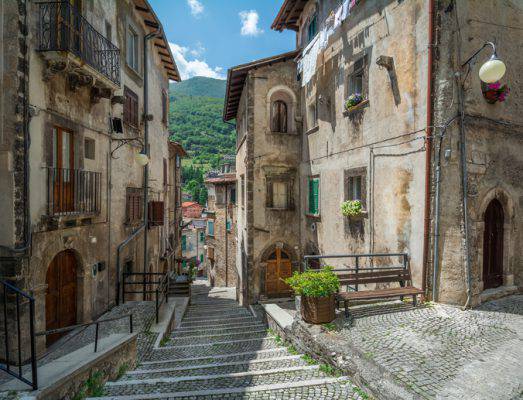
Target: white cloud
(189, 68)
(198, 51)
(250, 23)
(196, 7)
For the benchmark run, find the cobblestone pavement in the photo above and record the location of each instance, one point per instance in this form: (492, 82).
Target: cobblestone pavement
(443, 352)
(220, 351)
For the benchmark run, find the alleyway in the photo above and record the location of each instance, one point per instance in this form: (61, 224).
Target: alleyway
(221, 351)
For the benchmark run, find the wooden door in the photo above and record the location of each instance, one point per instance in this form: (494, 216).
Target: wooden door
(60, 298)
(493, 246)
(64, 176)
(279, 267)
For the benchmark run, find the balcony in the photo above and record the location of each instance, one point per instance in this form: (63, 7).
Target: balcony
(73, 192)
(71, 45)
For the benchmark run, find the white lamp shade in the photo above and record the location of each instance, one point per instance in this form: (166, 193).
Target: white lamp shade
(492, 71)
(141, 159)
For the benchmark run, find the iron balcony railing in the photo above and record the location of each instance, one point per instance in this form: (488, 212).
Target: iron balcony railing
(61, 27)
(73, 191)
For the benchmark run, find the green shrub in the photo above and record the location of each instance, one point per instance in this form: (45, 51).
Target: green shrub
(351, 208)
(314, 284)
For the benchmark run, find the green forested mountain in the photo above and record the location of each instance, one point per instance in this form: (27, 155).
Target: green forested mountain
(195, 120)
(200, 86)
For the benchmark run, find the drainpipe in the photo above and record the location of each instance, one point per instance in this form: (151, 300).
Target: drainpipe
(146, 39)
(428, 153)
(23, 249)
(436, 222)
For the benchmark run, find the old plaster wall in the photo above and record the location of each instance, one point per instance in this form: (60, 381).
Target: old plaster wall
(383, 139)
(493, 140)
(273, 154)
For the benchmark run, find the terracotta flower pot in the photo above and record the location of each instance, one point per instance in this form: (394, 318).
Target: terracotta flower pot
(318, 310)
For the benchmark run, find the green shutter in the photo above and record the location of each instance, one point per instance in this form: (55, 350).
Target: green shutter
(201, 257)
(184, 243)
(314, 184)
(184, 263)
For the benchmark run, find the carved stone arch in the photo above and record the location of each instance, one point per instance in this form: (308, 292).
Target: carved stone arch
(508, 245)
(268, 250)
(282, 93)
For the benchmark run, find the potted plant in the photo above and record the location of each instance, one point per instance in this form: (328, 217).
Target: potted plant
(352, 208)
(317, 290)
(353, 100)
(494, 92)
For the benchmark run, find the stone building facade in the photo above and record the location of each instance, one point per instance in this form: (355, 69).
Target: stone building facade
(72, 123)
(193, 245)
(384, 150)
(221, 229)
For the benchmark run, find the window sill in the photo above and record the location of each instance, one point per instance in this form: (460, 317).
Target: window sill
(313, 130)
(134, 73)
(357, 108)
(282, 133)
(279, 209)
(316, 217)
(363, 214)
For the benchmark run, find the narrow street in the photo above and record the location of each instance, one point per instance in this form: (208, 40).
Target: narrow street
(221, 351)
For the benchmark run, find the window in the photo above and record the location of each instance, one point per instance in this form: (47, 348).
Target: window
(178, 161)
(312, 28)
(201, 258)
(228, 225)
(314, 196)
(279, 193)
(220, 195)
(184, 264)
(355, 185)
(358, 78)
(202, 236)
(89, 148)
(184, 243)
(134, 205)
(279, 116)
(312, 116)
(165, 107)
(233, 195)
(132, 48)
(210, 228)
(108, 31)
(130, 107)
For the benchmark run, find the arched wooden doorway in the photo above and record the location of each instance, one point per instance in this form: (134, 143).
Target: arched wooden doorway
(279, 267)
(60, 297)
(493, 245)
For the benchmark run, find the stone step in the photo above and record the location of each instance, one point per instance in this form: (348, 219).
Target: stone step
(217, 368)
(210, 339)
(217, 348)
(211, 312)
(219, 381)
(324, 389)
(200, 322)
(238, 328)
(161, 361)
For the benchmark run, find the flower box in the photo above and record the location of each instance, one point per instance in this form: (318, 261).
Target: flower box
(494, 92)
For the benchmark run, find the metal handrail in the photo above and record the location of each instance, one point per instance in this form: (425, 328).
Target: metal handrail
(161, 290)
(97, 323)
(19, 293)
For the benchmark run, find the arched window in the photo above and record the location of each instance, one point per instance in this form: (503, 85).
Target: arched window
(279, 117)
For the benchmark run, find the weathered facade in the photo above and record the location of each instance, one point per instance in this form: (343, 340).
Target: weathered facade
(72, 122)
(221, 229)
(193, 245)
(383, 151)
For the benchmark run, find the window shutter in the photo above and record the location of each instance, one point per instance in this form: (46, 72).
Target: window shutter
(156, 213)
(184, 243)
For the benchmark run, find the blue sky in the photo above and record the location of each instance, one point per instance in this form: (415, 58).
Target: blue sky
(209, 36)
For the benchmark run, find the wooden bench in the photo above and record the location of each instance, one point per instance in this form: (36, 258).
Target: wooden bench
(352, 277)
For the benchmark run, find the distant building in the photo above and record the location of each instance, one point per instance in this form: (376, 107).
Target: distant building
(191, 209)
(221, 228)
(193, 246)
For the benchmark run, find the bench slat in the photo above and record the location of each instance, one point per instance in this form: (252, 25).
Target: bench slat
(380, 293)
(363, 281)
(392, 272)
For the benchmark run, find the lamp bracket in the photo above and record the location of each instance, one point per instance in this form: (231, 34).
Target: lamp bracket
(473, 56)
(123, 141)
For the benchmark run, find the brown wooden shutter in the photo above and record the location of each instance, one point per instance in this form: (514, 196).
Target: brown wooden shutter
(164, 172)
(156, 213)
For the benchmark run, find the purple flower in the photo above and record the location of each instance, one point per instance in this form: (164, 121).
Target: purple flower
(495, 85)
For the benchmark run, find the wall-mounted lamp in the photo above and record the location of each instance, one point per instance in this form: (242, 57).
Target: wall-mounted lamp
(493, 69)
(141, 159)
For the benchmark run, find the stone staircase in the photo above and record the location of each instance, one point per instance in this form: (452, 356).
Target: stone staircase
(179, 287)
(220, 351)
